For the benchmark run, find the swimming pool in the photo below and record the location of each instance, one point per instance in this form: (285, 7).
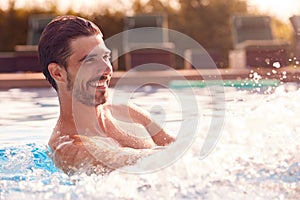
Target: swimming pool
(256, 157)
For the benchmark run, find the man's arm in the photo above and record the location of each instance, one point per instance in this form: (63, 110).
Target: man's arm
(158, 134)
(132, 113)
(84, 154)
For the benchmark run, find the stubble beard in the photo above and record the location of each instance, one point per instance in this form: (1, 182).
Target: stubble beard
(81, 94)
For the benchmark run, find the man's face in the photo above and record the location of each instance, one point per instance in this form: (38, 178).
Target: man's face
(89, 70)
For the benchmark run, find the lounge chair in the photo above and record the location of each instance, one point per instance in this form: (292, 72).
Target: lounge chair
(295, 21)
(149, 45)
(255, 45)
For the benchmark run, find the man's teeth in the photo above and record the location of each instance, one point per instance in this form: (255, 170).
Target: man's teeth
(98, 84)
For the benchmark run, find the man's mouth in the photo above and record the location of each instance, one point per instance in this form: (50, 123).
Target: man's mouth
(99, 83)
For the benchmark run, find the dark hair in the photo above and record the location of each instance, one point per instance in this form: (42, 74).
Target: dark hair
(54, 44)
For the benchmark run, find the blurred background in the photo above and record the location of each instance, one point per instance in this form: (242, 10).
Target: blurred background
(206, 21)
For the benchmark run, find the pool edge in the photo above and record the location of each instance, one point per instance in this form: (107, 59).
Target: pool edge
(37, 80)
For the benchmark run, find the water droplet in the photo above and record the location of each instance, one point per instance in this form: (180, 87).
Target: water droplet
(267, 60)
(144, 188)
(276, 65)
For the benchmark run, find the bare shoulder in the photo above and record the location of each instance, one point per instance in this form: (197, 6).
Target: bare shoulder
(124, 107)
(132, 111)
(70, 153)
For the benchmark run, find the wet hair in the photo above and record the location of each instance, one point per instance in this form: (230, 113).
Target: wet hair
(55, 42)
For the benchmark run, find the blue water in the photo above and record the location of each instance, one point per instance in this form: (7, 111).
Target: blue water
(26, 163)
(33, 157)
(256, 157)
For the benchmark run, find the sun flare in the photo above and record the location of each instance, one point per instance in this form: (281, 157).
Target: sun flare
(281, 9)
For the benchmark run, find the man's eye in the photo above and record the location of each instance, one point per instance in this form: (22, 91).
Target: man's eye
(89, 60)
(106, 57)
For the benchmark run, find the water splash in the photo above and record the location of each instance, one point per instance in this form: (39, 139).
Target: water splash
(256, 158)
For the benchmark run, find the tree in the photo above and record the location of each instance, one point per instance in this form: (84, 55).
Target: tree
(206, 21)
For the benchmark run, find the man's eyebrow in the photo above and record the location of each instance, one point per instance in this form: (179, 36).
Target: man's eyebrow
(107, 51)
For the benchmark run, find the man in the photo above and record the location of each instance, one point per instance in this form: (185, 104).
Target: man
(91, 135)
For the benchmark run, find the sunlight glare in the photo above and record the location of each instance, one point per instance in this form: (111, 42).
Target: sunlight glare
(281, 9)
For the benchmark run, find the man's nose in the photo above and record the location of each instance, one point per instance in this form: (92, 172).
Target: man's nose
(107, 69)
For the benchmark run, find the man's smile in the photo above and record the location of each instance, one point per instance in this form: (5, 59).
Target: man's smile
(99, 82)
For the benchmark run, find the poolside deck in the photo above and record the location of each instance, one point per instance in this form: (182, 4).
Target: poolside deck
(37, 80)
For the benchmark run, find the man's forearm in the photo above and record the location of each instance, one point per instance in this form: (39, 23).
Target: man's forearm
(159, 135)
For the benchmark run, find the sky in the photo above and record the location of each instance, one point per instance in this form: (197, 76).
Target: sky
(282, 9)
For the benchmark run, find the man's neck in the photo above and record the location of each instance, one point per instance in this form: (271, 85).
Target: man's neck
(80, 118)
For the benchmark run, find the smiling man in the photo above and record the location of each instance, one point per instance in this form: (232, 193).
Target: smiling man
(91, 135)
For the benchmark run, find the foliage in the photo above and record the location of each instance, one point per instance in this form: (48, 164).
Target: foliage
(206, 21)
(14, 23)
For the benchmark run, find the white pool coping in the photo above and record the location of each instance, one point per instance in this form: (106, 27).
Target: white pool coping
(37, 80)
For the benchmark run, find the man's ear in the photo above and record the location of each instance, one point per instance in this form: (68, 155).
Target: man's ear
(57, 72)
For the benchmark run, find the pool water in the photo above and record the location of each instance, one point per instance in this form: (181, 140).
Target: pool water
(256, 156)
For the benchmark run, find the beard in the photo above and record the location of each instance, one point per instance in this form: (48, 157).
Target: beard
(81, 93)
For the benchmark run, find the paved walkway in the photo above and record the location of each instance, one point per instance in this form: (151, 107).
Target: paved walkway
(36, 80)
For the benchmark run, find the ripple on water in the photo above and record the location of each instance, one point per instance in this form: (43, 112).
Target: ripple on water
(256, 156)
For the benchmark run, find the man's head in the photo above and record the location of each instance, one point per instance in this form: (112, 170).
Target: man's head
(65, 46)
